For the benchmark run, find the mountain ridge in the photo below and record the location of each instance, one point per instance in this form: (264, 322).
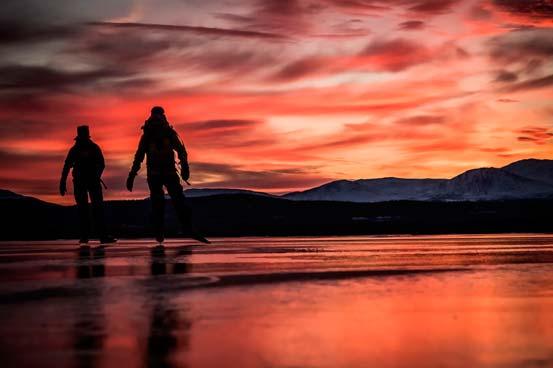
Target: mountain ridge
(524, 179)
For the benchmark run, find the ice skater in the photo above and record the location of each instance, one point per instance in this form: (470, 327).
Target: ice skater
(158, 143)
(87, 162)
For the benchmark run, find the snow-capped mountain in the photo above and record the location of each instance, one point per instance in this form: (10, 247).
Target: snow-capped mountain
(373, 190)
(491, 183)
(539, 170)
(521, 179)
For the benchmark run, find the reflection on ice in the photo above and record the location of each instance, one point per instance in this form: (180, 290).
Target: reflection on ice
(453, 301)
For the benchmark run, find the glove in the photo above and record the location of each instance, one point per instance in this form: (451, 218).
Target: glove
(63, 187)
(130, 181)
(185, 171)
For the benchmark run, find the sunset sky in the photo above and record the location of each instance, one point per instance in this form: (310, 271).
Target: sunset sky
(276, 95)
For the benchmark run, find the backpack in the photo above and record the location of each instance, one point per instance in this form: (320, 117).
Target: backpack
(159, 136)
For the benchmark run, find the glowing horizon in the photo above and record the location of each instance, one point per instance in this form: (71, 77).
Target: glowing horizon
(276, 95)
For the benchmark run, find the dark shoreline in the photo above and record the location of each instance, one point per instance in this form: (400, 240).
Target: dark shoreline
(250, 215)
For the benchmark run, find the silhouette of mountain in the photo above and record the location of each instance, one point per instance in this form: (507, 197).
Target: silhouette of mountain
(7, 194)
(206, 192)
(519, 180)
(491, 184)
(539, 170)
(373, 190)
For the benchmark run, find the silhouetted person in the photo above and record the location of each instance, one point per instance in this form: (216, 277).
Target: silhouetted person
(158, 143)
(87, 162)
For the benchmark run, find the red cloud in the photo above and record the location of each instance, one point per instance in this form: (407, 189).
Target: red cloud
(537, 135)
(394, 55)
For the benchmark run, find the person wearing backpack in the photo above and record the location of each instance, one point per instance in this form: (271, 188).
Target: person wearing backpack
(87, 162)
(158, 143)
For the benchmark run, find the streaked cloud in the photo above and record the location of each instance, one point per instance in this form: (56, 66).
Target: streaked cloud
(276, 95)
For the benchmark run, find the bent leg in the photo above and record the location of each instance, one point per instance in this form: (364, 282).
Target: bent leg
(184, 214)
(81, 198)
(157, 196)
(97, 201)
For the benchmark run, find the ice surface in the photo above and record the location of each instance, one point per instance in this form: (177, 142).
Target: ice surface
(417, 301)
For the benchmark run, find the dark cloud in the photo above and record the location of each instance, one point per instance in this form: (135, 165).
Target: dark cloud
(422, 120)
(522, 46)
(346, 142)
(396, 46)
(222, 124)
(16, 102)
(141, 52)
(298, 69)
(527, 54)
(19, 77)
(14, 33)
(534, 134)
(358, 5)
(226, 133)
(505, 76)
(396, 54)
(62, 12)
(231, 176)
(25, 129)
(124, 45)
(428, 7)
(431, 6)
(528, 8)
(461, 53)
(294, 17)
(286, 16)
(536, 83)
(207, 31)
(412, 25)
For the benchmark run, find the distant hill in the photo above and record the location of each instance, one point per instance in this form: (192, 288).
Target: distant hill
(493, 184)
(539, 170)
(206, 192)
(373, 190)
(520, 180)
(7, 194)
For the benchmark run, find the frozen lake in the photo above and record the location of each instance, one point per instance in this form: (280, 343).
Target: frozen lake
(413, 301)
